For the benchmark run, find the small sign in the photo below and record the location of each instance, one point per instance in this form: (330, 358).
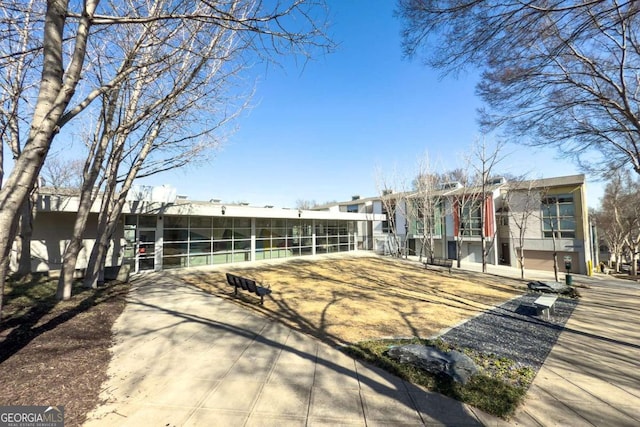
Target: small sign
(567, 258)
(32, 416)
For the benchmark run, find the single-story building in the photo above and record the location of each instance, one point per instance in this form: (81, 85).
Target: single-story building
(159, 230)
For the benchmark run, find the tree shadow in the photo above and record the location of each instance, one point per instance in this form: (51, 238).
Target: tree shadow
(44, 312)
(412, 291)
(256, 333)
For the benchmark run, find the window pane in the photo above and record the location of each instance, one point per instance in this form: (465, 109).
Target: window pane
(279, 232)
(175, 235)
(567, 224)
(548, 223)
(263, 223)
(307, 228)
(242, 233)
(200, 234)
(566, 209)
(174, 262)
(175, 249)
(222, 246)
(242, 245)
(279, 243)
(200, 222)
(242, 223)
(219, 222)
(197, 260)
(199, 247)
(147, 221)
(222, 233)
(176, 222)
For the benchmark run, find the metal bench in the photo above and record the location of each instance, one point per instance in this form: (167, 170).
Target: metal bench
(247, 285)
(439, 262)
(544, 304)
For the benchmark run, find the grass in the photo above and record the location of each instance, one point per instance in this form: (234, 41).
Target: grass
(498, 388)
(351, 299)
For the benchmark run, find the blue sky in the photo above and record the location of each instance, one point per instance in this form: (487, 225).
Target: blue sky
(319, 132)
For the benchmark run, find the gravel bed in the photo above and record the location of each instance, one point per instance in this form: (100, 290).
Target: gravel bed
(513, 330)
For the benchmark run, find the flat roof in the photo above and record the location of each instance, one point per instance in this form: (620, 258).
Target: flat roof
(53, 201)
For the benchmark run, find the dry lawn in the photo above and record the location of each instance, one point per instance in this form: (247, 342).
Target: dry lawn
(346, 299)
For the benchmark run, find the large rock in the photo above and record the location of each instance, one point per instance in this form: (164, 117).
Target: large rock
(551, 287)
(456, 365)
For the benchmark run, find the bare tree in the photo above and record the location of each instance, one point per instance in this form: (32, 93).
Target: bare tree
(73, 72)
(609, 218)
(633, 224)
(466, 210)
(483, 158)
(522, 201)
(555, 73)
(305, 204)
(618, 218)
(428, 205)
(393, 196)
(16, 86)
(61, 173)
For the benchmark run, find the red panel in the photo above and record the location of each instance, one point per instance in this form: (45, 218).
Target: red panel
(489, 221)
(456, 217)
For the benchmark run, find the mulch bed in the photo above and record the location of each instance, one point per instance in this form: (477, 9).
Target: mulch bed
(58, 354)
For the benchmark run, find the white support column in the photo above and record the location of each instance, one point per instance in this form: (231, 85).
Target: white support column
(313, 237)
(355, 237)
(157, 264)
(253, 240)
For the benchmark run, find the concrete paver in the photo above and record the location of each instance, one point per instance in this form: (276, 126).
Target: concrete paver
(183, 357)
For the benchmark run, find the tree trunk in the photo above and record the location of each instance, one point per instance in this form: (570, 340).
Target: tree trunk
(4, 270)
(4, 264)
(107, 224)
(25, 233)
(100, 247)
(16, 191)
(53, 98)
(484, 253)
(74, 247)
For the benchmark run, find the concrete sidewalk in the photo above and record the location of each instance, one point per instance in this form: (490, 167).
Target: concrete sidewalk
(187, 358)
(592, 375)
(184, 357)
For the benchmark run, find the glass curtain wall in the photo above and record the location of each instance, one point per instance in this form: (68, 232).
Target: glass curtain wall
(194, 241)
(280, 238)
(334, 236)
(190, 241)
